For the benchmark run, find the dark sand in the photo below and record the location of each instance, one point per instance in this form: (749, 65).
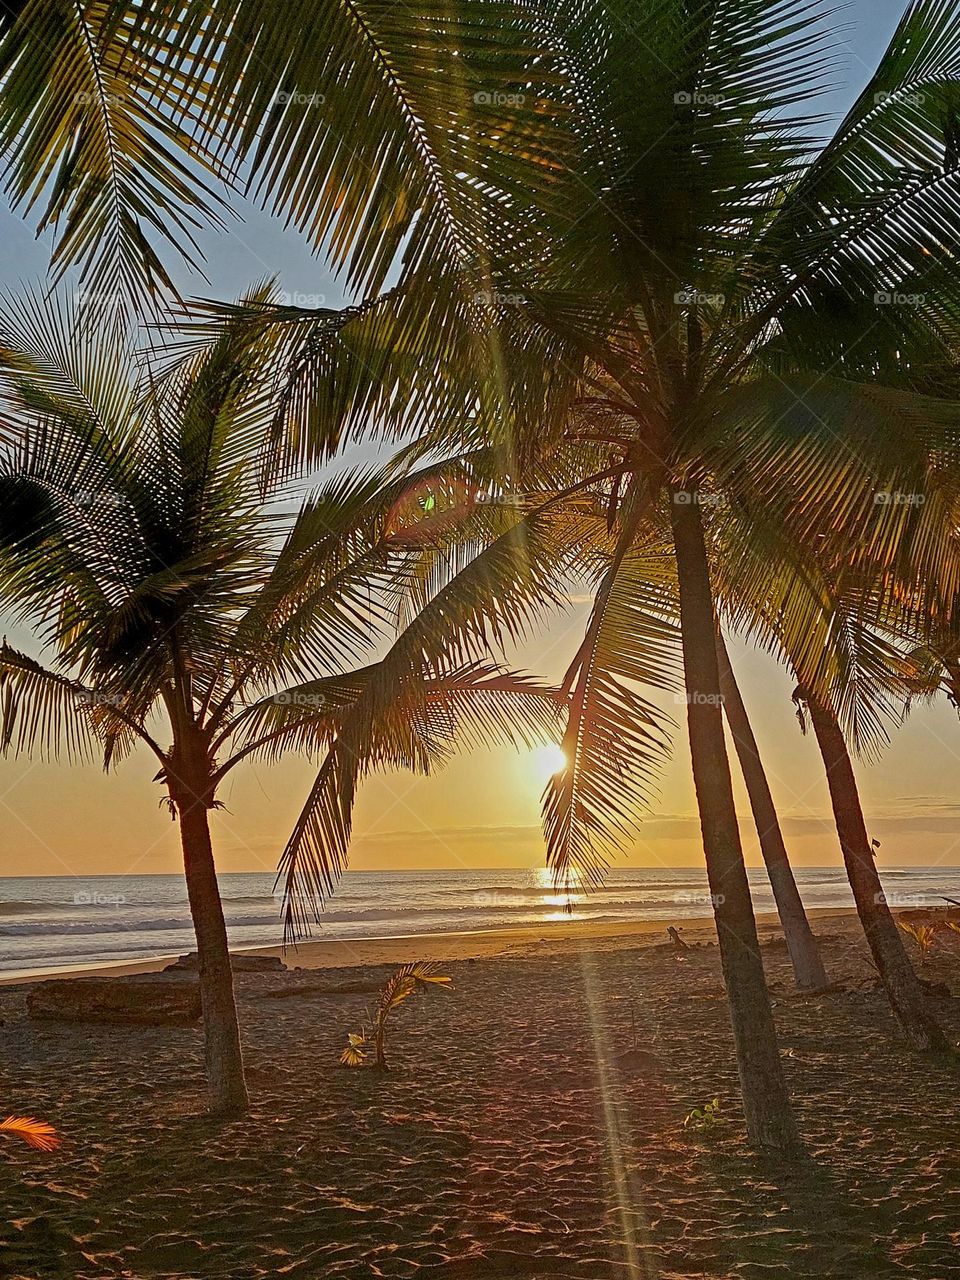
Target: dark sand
(512, 1139)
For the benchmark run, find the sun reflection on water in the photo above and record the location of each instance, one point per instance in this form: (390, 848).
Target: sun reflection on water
(565, 901)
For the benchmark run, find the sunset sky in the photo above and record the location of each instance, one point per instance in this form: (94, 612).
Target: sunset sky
(483, 810)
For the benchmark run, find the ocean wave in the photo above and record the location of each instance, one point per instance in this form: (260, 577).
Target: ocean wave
(430, 915)
(266, 899)
(549, 891)
(31, 907)
(137, 916)
(73, 928)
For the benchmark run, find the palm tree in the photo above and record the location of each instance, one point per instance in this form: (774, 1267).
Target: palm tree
(193, 606)
(845, 617)
(126, 125)
(801, 944)
(587, 211)
(886, 945)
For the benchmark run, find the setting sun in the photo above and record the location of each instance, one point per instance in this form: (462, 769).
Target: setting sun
(547, 761)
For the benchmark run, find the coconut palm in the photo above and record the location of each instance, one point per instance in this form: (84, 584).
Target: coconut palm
(844, 590)
(833, 626)
(399, 987)
(194, 606)
(642, 224)
(802, 946)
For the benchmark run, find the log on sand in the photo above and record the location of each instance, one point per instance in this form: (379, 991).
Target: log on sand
(115, 1000)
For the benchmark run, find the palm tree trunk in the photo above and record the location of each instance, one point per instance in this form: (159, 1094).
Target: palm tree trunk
(221, 1032)
(801, 944)
(770, 1123)
(903, 989)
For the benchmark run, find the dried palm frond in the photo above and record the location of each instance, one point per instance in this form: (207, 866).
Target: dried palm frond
(35, 1133)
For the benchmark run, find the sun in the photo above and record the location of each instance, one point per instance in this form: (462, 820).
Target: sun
(547, 761)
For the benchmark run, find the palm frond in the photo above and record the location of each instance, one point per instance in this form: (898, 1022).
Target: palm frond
(35, 1133)
(43, 713)
(615, 739)
(90, 134)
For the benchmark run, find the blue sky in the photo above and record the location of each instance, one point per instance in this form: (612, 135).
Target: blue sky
(259, 245)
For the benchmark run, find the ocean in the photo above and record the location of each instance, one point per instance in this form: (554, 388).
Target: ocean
(54, 922)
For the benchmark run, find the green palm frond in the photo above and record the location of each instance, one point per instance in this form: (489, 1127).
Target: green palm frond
(832, 622)
(105, 102)
(615, 740)
(871, 468)
(878, 208)
(408, 719)
(91, 135)
(41, 712)
(497, 596)
(407, 88)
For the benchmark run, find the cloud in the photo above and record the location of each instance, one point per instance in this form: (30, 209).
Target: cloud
(460, 835)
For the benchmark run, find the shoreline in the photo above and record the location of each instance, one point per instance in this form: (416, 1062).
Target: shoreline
(469, 944)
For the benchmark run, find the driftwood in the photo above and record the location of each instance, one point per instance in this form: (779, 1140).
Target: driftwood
(678, 942)
(239, 963)
(832, 988)
(115, 1000)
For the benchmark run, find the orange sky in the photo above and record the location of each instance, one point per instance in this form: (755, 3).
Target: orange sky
(482, 811)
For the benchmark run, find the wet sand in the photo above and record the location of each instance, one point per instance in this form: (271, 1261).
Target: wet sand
(520, 1134)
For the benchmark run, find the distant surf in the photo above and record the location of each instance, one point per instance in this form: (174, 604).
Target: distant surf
(56, 922)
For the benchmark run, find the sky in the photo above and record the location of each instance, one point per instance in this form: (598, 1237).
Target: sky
(483, 809)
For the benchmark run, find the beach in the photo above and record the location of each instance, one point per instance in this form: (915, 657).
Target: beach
(532, 1124)
(480, 643)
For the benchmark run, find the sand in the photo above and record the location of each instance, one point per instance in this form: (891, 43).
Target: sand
(518, 1135)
